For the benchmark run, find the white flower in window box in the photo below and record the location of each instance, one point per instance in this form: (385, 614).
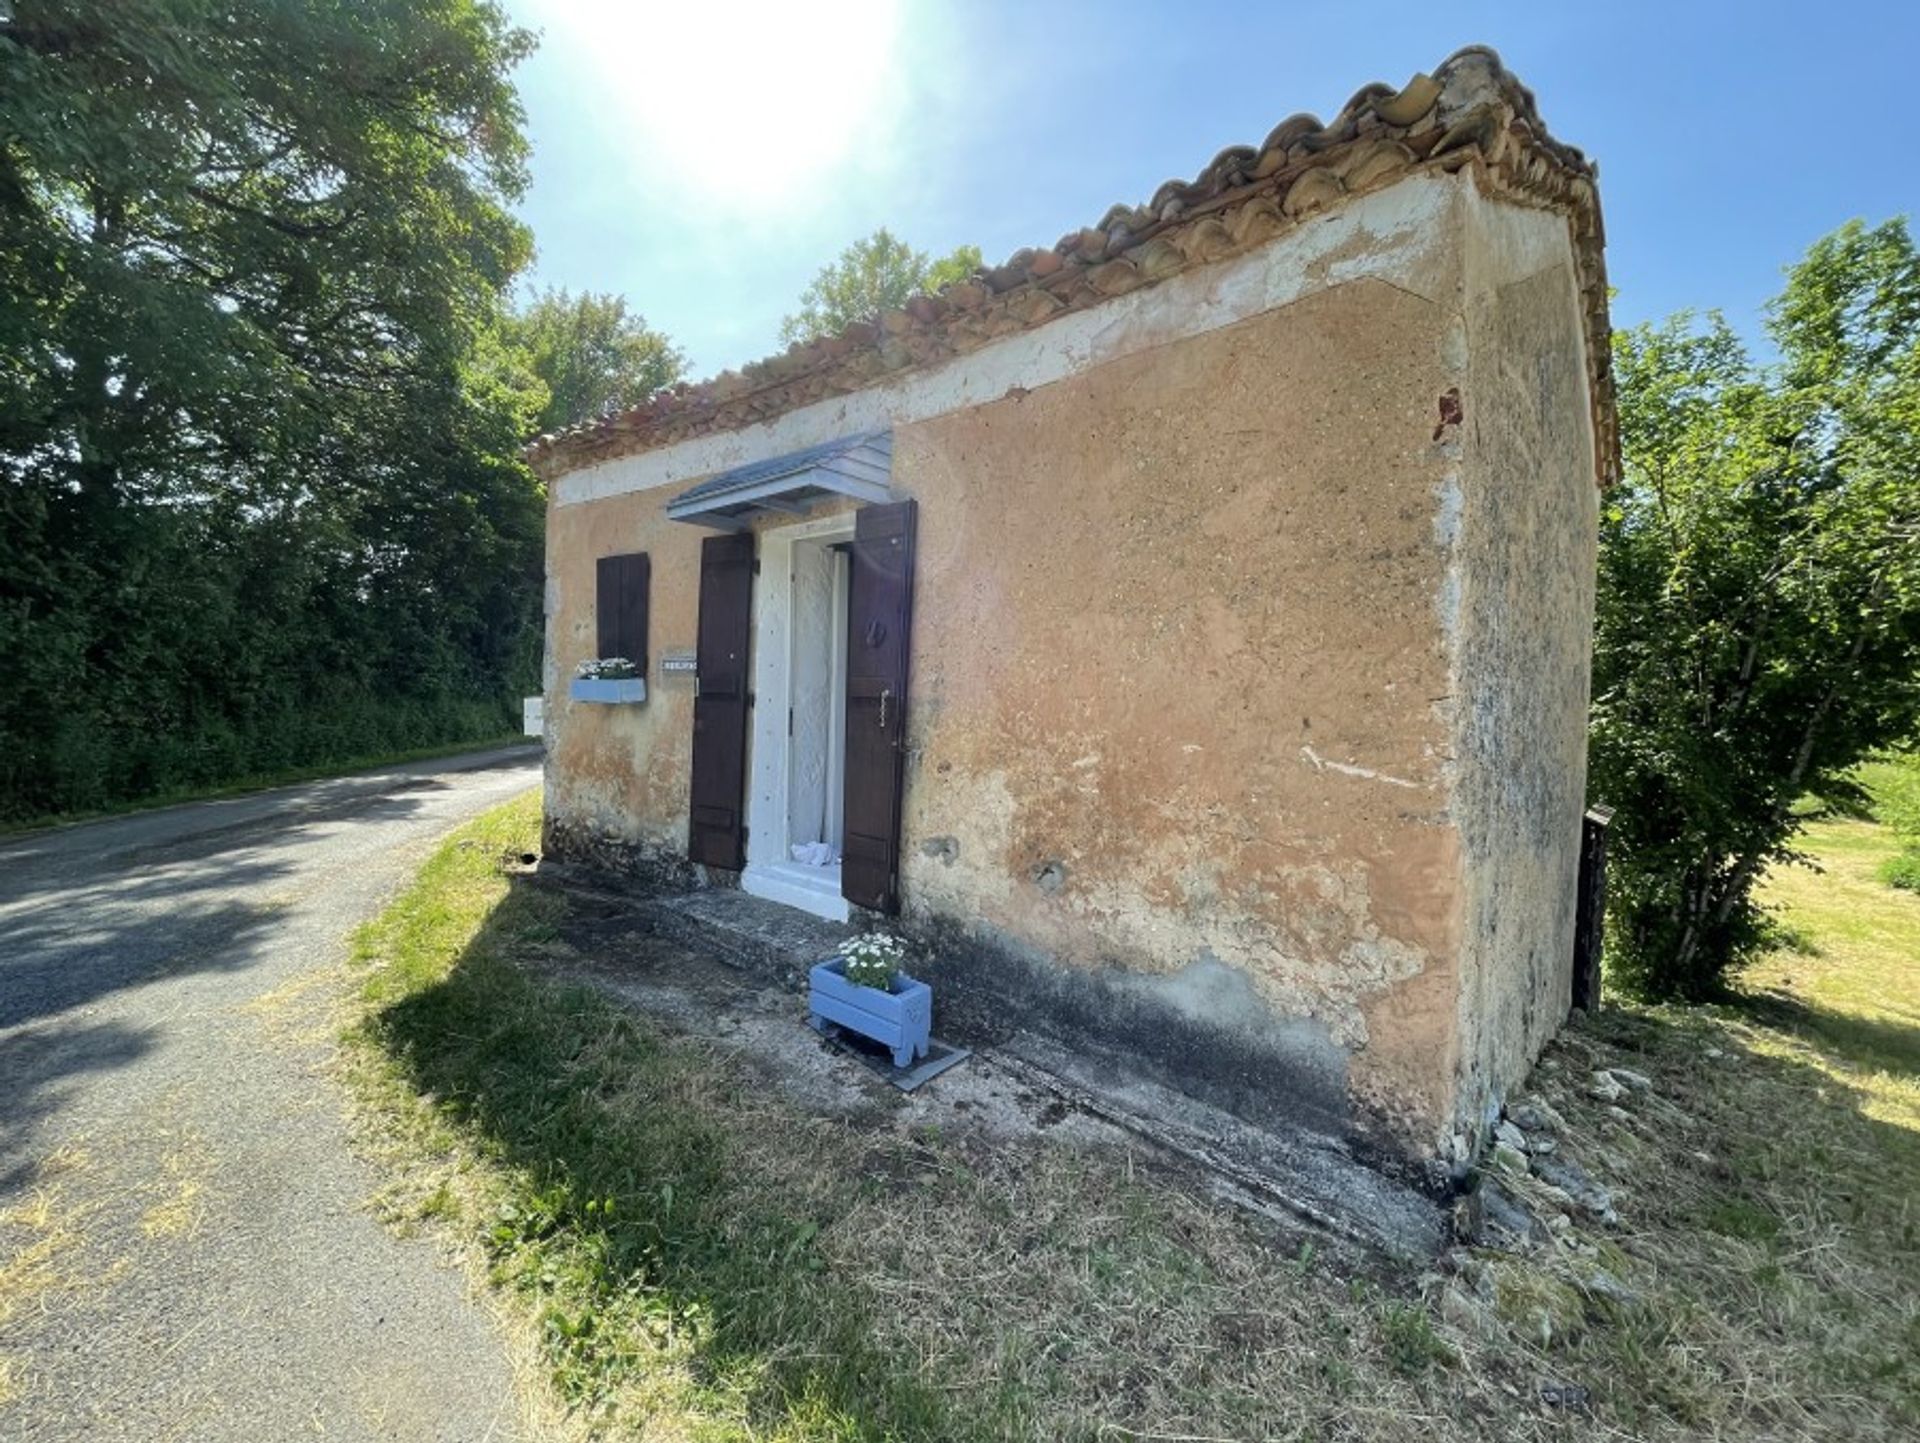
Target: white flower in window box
(611, 680)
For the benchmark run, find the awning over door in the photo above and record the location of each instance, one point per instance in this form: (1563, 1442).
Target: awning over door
(856, 466)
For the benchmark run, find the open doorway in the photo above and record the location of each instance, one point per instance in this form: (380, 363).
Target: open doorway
(795, 823)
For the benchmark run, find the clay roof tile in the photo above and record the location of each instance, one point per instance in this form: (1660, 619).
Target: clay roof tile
(1470, 113)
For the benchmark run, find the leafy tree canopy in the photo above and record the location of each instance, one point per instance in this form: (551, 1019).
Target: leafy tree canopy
(879, 273)
(219, 219)
(1759, 603)
(591, 354)
(259, 479)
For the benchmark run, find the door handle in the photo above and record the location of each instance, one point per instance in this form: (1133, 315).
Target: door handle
(886, 694)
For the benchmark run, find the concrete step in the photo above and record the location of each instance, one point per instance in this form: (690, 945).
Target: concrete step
(1295, 1176)
(748, 932)
(1292, 1175)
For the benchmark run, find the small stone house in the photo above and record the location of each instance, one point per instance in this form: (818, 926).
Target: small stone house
(1183, 629)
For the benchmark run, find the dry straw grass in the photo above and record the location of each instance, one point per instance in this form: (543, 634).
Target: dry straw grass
(691, 1256)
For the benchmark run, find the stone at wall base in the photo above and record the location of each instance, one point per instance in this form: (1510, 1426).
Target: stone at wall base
(990, 990)
(655, 867)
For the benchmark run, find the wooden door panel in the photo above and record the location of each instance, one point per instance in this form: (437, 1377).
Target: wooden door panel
(879, 626)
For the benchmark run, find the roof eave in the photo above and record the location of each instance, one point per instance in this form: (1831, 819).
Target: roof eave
(1472, 113)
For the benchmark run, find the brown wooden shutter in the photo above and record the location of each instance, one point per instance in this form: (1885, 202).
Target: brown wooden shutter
(716, 834)
(620, 606)
(879, 623)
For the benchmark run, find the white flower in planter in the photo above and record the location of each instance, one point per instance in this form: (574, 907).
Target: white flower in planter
(873, 959)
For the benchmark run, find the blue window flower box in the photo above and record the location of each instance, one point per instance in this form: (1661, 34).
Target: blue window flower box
(624, 692)
(900, 1019)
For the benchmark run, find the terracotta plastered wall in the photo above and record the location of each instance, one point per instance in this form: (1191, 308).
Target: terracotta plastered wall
(618, 774)
(1208, 691)
(1176, 659)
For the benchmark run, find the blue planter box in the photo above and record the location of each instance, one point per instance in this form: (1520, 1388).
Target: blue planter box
(901, 1019)
(617, 693)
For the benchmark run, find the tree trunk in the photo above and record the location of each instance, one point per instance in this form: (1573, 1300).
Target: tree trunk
(1747, 868)
(1749, 865)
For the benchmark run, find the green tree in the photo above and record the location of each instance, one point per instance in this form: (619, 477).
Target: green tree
(591, 354)
(879, 273)
(222, 217)
(258, 475)
(1759, 612)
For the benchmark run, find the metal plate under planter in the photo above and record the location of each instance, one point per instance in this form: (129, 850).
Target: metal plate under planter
(622, 692)
(901, 1019)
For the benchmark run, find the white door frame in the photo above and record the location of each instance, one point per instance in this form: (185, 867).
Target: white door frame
(770, 871)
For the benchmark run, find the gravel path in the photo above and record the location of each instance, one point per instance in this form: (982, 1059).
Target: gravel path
(185, 1252)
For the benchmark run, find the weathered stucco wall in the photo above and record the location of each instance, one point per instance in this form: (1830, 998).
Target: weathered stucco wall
(1229, 630)
(1522, 635)
(1155, 603)
(616, 776)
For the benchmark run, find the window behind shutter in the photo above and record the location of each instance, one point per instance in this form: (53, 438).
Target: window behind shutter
(621, 606)
(716, 826)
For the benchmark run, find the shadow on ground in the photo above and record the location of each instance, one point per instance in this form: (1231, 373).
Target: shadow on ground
(667, 1218)
(49, 861)
(642, 1200)
(40, 1069)
(106, 906)
(120, 904)
(1875, 1043)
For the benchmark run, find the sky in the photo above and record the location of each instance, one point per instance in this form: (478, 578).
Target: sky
(705, 158)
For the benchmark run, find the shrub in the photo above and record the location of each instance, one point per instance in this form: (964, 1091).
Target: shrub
(1759, 599)
(1902, 871)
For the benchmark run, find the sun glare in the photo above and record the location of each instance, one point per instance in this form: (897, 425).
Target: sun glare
(745, 100)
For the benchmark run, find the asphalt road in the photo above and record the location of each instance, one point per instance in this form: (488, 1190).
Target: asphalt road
(185, 1247)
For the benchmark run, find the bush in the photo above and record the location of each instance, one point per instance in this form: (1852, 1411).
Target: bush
(1890, 787)
(1759, 598)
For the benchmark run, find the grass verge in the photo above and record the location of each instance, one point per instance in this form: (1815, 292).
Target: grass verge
(262, 781)
(690, 1255)
(1845, 993)
(580, 1149)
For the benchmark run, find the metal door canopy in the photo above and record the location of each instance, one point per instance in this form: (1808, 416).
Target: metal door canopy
(857, 466)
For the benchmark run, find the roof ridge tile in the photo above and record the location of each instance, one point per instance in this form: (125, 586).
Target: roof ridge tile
(1471, 112)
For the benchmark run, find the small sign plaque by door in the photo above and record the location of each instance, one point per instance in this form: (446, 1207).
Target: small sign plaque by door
(679, 661)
